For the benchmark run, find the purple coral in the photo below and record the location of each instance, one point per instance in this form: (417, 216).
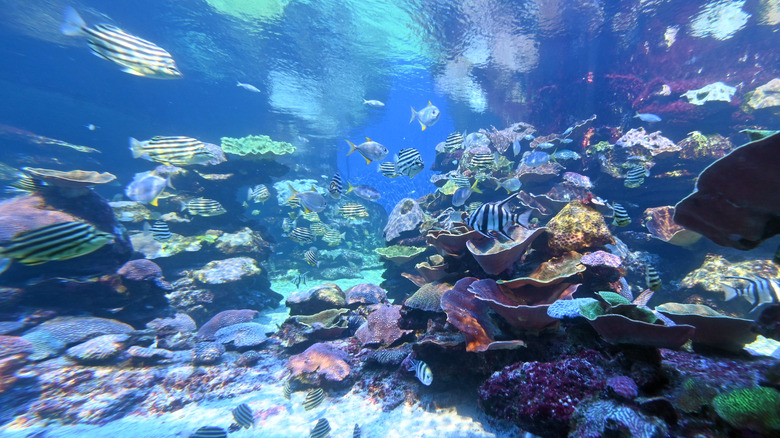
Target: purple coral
(623, 387)
(541, 396)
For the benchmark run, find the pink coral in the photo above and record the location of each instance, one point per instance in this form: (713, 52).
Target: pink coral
(326, 360)
(381, 327)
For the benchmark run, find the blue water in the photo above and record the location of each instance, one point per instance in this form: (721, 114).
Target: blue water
(484, 64)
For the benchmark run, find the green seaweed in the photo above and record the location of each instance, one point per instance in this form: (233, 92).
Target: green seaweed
(256, 146)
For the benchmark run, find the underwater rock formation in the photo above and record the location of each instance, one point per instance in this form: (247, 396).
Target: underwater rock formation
(404, 220)
(736, 200)
(577, 227)
(316, 299)
(320, 361)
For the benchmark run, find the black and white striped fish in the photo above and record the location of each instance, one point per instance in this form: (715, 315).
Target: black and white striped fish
(758, 291)
(244, 416)
(336, 187)
(287, 389)
(454, 141)
(321, 429)
(652, 279)
(635, 177)
(422, 371)
(209, 432)
(258, 193)
(177, 151)
(482, 160)
(313, 399)
(620, 216)
(494, 218)
(159, 231)
(59, 241)
(135, 55)
(387, 169)
(356, 432)
(311, 257)
(409, 162)
(203, 207)
(301, 235)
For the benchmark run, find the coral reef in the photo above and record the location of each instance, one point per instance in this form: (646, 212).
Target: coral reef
(714, 92)
(207, 331)
(496, 257)
(399, 254)
(757, 408)
(660, 222)
(256, 147)
(381, 327)
(712, 328)
(365, 293)
(404, 219)
(765, 96)
(316, 299)
(54, 336)
(577, 227)
(320, 361)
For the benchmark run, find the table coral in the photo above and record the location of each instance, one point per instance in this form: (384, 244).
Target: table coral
(495, 256)
(399, 254)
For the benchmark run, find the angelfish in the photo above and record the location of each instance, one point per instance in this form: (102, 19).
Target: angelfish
(426, 116)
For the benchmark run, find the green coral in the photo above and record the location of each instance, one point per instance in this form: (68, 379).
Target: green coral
(755, 408)
(256, 146)
(613, 299)
(616, 305)
(598, 147)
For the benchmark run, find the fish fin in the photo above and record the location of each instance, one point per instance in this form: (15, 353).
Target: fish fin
(154, 202)
(474, 187)
(730, 291)
(423, 127)
(136, 148)
(295, 192)
(524, 218)
(73, 25)
(352, 147)
(368, 160)
(350, 187)
(414, 115)
(429, 103)
(368, 139)
(169, 183)
(133, 72)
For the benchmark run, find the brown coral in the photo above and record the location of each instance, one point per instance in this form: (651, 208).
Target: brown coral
(365, 293)
(525, 317)
(712, 328)
(577, 227)
(316, 299)
(471, 317)
(428, 297)
(451, 242)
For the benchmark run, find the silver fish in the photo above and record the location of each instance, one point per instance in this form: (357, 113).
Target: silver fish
(146, 187)
(248, 87)
(426, 116)
(310, 200)
(370, 150)
(374, 103)
(366, 192)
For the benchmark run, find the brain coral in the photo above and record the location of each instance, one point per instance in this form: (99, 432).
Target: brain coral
(576, 227)
(53, 336)
(381, 327)
(223, 319)
(245, 334)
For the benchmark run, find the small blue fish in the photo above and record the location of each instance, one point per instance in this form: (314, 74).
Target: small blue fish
(248, 87)
(545, 145)
(529, 137)
(566, 140)
(647, 117)
(536, 158)
(426, 116)
(462, 194)
(565, 154)
(567, 131)
(376, 103)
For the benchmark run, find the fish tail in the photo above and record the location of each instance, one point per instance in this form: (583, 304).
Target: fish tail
(422, 127)
(73, 25)
(352, 147)
(414, 115)
(154, 202)
(474, 187)
(136, 148)
(182, 205)
(350, 187)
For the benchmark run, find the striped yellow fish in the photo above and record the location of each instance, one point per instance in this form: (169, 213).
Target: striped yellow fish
(136, 56)
(59, 241)
(177, 151)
